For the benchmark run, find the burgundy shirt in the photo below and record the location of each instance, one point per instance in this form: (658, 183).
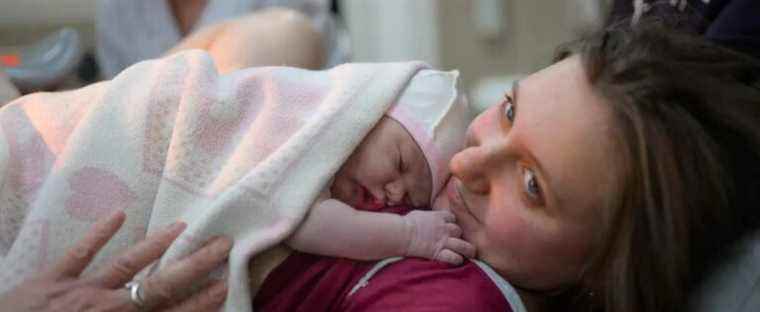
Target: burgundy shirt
(305, 282)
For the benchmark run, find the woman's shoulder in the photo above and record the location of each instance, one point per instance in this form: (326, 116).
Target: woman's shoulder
(418, 284)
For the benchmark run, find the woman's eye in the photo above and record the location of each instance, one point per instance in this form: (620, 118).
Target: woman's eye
(509, 109)
(530, 183)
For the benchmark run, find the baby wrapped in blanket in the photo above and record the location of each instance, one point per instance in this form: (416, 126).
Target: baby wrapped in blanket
(244, 155)
(403, 160)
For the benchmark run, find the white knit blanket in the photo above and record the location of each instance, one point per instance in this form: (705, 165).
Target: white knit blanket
(242, 155)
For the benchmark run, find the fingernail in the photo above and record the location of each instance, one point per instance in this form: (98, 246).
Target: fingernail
(115, 216)
(222, 244)
(220, 289)
(176, 226)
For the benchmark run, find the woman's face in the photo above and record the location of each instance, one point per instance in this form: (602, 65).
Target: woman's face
(538, 168)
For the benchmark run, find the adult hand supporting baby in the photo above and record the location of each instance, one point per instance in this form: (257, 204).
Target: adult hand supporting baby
(435, 235)
(63, 288)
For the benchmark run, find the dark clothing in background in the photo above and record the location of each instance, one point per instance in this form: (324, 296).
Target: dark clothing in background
(732, 23)
(738, 26)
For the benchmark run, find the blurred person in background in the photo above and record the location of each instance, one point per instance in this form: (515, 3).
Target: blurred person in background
(237, 33)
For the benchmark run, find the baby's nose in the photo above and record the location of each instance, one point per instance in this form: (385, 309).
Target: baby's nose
(395, 193)
(379, 196)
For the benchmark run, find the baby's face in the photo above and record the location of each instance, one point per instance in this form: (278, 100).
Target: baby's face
(387, 168)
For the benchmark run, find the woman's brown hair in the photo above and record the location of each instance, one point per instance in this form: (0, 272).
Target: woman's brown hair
(688, 119)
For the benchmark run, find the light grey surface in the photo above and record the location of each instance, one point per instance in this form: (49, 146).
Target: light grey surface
(735, 286)
(7, 91)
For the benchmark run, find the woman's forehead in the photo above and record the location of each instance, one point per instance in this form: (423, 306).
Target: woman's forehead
(567, 128)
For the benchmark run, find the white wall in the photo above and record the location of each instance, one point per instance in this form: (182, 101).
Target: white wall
(448, 33)
(24, 21)
(33, 12)
(393, 30)
(532, 31)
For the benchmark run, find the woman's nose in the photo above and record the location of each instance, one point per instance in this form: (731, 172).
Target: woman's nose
(470, 166)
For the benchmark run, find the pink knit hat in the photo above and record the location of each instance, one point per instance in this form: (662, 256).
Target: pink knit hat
(436, 115)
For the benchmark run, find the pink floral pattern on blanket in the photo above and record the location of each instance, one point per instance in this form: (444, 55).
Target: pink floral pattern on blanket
(201, 152)
(30, 159)
(241, 155)
(29, 154)
(95, 193)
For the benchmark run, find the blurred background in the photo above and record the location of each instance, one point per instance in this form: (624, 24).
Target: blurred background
(489, 41)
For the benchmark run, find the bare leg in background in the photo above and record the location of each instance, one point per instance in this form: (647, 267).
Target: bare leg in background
(275, 36)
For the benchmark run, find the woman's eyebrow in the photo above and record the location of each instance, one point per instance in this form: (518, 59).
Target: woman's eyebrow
(515, 85)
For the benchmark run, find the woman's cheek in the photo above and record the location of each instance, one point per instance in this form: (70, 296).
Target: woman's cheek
(507, 229)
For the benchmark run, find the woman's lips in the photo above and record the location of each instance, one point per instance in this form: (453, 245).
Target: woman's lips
(454, 192)
(455, 197)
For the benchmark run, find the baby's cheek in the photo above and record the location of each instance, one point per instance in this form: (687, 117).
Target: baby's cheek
(339, 189)
(419, 195)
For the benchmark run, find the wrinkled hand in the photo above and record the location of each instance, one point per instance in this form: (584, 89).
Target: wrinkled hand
(63, 289)
(434, 235)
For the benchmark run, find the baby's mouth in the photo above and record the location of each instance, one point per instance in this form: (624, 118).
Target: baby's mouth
(367, 201)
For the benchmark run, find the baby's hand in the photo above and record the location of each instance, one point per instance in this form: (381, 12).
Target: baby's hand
(434, 235)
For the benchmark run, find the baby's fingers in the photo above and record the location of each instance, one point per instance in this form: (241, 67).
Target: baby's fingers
(453, 229)
(449, 256)
(455, 250)
(445, 215)
(460, 246)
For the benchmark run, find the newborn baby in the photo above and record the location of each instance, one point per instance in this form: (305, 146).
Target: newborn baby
(402, 161)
